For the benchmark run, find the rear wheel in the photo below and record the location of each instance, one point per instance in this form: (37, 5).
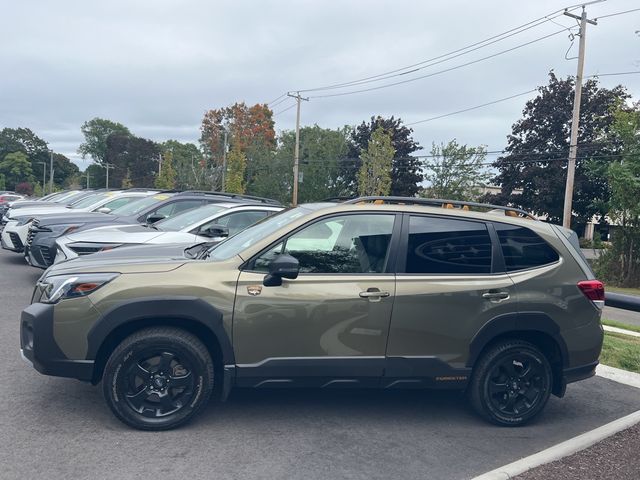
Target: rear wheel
(511, 383)
(158, 378)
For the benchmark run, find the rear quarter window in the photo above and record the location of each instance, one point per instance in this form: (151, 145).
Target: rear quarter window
(523, 248)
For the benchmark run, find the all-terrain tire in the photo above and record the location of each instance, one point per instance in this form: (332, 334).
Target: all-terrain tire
(158, 378)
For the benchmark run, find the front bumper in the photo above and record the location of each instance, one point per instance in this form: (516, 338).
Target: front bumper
(9, 238)
(39, 255)
(38, 345)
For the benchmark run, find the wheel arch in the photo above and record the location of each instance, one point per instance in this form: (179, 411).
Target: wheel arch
(188, 313)
(536, 328)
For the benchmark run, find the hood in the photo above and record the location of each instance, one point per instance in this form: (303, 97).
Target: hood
(74, 217)
(160, 253)
(33, 211)
(116, 234)
(143, 262)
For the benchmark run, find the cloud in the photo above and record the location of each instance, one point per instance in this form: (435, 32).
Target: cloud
(158, 66)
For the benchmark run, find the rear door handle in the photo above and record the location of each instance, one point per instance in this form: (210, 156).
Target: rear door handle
(496, 295)
(374, 293)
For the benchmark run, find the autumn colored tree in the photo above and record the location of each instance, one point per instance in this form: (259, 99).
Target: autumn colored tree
(251, 129)
(374, 176)
(236, 166)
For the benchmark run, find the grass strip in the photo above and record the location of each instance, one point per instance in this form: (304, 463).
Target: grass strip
(621, 351)
(626, 326)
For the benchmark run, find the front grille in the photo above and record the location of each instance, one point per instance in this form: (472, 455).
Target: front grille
(15, 239)
(32, 232)
(46, 256)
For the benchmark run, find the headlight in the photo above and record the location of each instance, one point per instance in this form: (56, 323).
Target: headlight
(60, 230)
(22, 220)
(59, 287)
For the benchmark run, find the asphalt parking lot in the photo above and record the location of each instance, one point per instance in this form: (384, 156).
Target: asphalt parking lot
(53, 428)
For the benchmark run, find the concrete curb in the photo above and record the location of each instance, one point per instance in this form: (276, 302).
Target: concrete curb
(561, 450)
(618, 375)
(623, 331)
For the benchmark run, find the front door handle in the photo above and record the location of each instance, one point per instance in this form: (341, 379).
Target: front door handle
(374, 293)
(496, 295)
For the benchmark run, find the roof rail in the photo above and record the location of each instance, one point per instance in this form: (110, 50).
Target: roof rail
(337, 199)
(439, 202)
(234, 196)
(141, 189)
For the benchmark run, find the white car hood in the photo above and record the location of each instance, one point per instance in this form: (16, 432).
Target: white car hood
(131, 234)
(35, 211)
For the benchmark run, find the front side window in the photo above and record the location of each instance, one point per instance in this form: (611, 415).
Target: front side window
(522, 248)
(344, 244)
(448, 246)
(237, 221)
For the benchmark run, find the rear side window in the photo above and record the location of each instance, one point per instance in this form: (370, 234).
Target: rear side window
(448, 246)
(523, 248)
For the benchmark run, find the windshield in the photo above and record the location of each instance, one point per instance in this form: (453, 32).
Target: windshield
(134, 208)
(90, 200)
(236, 244)
(71, 197)
(188, 218)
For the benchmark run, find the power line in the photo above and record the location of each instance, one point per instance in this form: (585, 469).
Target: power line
(275, 104)
(443, 57)
(276, 99)
(509, 98)
(617, 13)
(285, 109)
(502, 52)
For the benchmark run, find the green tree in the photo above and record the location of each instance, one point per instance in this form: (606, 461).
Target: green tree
(186, 158)
(236, 166)
(374, 176)
(126, 181)
(16, 169)
(3, 182)
(96, 131)
(538, 147)
(166, 180)
(138, 156)
(322, 153)
(406, 169)
(621, 263)
(455, 171)
(96, 176)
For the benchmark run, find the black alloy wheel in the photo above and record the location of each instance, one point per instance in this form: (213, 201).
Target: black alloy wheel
(158, 378)
(511, 383)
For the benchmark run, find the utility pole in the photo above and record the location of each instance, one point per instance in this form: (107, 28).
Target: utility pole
(107, 167)
(575, 122)
(224, 159)
(296, 152)
(87, 179)
(44, 177)
(51, 172)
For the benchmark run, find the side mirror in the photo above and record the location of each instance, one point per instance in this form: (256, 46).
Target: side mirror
(214, 231)
(283, 266)
(155, 217)
(104, 210)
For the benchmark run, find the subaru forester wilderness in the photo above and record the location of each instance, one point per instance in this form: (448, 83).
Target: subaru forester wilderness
(374, 292)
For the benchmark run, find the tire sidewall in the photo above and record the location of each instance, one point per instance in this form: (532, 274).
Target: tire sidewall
(495, 415)
(115, 382)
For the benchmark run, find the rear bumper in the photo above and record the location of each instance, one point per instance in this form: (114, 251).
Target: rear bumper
(38, 345)
(582, 372)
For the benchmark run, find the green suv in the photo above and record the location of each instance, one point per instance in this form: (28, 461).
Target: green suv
(378, 292)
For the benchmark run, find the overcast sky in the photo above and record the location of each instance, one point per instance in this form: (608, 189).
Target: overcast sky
(157, 66)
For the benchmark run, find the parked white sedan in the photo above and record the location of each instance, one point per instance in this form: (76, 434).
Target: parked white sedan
(210, 223)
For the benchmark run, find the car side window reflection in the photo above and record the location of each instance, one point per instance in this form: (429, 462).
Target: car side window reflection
(344, 244)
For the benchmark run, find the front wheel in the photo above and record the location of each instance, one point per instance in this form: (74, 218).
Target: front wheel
(511, 383)
(158, 378)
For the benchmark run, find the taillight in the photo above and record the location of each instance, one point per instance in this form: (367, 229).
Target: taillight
(593, 290)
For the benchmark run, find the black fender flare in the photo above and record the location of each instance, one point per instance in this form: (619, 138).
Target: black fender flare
(516, 322)
(175, 308)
